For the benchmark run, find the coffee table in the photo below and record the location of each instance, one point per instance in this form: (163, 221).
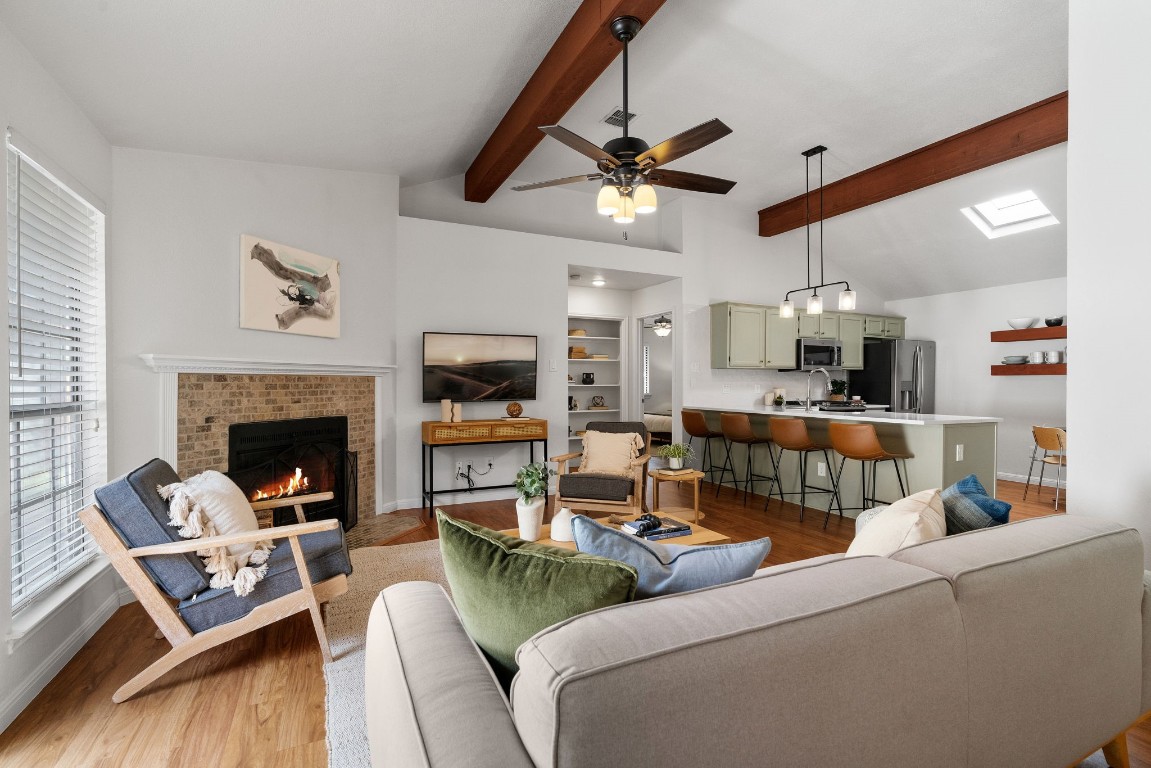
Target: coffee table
(699, 534)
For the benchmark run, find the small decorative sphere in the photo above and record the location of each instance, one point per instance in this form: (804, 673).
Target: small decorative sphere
(515, 409)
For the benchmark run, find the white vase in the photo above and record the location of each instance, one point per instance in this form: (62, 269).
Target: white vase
(562, 525)
(675, 463)
(531, 517)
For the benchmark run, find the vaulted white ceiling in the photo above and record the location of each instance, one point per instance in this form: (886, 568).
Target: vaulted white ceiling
(415, 89)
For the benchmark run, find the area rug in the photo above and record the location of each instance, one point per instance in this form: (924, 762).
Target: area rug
(373, 569)
(376, 528)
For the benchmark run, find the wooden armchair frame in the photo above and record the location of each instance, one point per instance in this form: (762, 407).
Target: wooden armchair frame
(185, 643)
(634, 505)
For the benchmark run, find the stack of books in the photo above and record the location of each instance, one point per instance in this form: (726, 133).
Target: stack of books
(577, 353)
(669, 528)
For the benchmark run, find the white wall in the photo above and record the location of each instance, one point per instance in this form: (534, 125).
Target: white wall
(174, 279)
(1107, 264)
(960, 324)
(33, 104)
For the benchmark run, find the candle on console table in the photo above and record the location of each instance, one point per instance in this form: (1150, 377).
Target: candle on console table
(457, 412)
(445, 410)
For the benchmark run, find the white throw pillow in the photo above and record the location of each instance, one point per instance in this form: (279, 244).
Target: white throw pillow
(610, 453)
(210, 504)
(917, 518)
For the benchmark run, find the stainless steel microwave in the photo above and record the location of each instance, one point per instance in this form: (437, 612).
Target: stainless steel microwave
(818, 353)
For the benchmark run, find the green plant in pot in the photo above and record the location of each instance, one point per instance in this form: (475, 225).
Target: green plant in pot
(532, 487)
(778, 402)
(676, 454)
(837, 389)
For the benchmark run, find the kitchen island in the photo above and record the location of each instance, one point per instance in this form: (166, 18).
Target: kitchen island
(945, 449)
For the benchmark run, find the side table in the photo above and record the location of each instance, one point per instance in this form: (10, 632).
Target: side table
(670, 476)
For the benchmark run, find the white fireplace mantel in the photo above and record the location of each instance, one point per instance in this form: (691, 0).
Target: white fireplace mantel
(171, 366)
(187, 364)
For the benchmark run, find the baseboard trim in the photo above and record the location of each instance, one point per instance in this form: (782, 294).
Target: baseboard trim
(22, 696)
(1047, 481)
(460, 497)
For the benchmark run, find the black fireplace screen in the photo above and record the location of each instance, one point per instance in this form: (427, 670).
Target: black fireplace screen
(288, 457)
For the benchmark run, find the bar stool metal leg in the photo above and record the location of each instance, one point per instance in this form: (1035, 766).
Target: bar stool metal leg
(728, 466)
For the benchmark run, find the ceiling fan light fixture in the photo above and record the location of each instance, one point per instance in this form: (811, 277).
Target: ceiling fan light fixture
(626, 212)
(608, 199)
(787, 308)
(662, 325)
(645, 198)
(815, 304)
(847, 300)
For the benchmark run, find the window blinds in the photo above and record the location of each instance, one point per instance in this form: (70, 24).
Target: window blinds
(56, 374)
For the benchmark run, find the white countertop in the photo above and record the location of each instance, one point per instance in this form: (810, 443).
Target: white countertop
(917, 419)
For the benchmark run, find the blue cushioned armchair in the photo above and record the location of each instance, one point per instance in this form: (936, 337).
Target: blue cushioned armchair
(308, 567)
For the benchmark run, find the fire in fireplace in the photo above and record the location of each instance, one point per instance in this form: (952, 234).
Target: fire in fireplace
(274, 459)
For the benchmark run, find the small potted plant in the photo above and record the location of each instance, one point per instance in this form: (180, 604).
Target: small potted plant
(778, 402)
(676, 453)
(837, 390)
(532, 487)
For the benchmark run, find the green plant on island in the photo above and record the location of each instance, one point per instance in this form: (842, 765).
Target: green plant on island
(532, 481)
(837, 387)
(778, 400)
(676, 451)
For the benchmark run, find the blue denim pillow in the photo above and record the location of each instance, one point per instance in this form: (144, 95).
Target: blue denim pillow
(668, 568)
(968, 507)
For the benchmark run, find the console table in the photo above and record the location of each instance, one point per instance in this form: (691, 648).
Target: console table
(435, 434)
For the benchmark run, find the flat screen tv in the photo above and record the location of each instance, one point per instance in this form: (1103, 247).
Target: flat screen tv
(472, 367)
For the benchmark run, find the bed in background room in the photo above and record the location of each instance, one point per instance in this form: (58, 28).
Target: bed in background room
(659, 425)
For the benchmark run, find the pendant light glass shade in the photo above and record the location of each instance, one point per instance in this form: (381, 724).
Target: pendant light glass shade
(607, 201)
(815, 304)
(626, 212)
(847, 299)
(787, 308)
(645, 199)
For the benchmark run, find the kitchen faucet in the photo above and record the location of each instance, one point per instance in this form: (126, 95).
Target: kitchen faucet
(826, 375)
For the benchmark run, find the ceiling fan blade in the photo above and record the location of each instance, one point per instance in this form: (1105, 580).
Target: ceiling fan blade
(694, 182)
(557, 182)
(579, 144)
(685, 143)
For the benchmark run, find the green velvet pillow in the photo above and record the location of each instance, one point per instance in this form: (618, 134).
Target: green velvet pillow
(507, 589)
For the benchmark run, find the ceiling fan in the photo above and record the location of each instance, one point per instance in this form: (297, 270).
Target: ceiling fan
(628, 167)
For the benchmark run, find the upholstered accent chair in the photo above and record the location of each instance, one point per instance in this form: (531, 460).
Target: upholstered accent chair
(600, 492)
(308, 567)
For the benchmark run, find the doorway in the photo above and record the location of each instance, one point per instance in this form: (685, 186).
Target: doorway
(656, 374)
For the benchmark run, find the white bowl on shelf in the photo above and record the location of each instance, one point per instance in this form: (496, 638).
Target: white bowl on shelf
(1019, 323)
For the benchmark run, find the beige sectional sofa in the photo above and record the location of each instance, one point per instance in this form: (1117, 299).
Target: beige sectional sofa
(1024, 646)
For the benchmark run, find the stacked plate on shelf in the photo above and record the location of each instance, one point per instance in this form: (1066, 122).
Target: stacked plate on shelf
(1015, 359)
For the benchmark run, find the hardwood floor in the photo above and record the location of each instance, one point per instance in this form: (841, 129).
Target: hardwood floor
(259, 700)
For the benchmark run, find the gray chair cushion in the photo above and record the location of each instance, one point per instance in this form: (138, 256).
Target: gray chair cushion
(140, 516)
(591, 485)
(326, 553)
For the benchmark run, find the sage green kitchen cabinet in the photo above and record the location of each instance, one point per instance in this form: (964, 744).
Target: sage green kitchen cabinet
(873, 326)
(782, 333)
(825, 326)
(851, 340)
(738, 335)
(893, 327)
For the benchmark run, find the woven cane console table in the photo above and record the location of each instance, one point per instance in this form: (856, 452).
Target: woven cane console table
(436, 434)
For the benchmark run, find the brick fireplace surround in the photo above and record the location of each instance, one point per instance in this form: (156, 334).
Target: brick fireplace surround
(201, 397)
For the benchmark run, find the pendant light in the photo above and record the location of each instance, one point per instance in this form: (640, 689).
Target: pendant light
(815, 301)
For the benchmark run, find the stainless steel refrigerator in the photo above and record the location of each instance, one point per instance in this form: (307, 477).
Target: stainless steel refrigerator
(899, 373)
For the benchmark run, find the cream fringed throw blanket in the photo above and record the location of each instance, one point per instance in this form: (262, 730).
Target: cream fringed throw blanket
(210, 504)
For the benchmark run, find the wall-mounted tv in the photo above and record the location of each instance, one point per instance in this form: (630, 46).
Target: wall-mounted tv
(471, 367)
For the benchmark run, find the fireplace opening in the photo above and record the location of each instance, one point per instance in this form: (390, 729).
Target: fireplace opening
(292, 457)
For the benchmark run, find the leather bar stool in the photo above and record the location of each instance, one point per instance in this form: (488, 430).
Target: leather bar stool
(737, 429)
(859, 442)
(695, 425)
(790, 434)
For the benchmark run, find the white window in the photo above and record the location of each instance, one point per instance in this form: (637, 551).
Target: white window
(57, 452)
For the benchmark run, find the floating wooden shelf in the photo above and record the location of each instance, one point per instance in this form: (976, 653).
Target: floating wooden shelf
(1030, 369)
(1031, 334)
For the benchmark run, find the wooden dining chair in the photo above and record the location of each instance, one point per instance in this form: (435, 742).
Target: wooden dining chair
(1053, 442)
(130, 523)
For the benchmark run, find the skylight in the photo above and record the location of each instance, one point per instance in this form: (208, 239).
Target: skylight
(1010, 214)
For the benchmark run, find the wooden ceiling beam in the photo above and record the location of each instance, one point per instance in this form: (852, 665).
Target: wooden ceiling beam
(1041, 125)
(581, 53)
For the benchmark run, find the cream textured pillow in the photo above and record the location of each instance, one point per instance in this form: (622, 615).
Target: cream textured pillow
(210, 504)
(610, 453)
(917, 518)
